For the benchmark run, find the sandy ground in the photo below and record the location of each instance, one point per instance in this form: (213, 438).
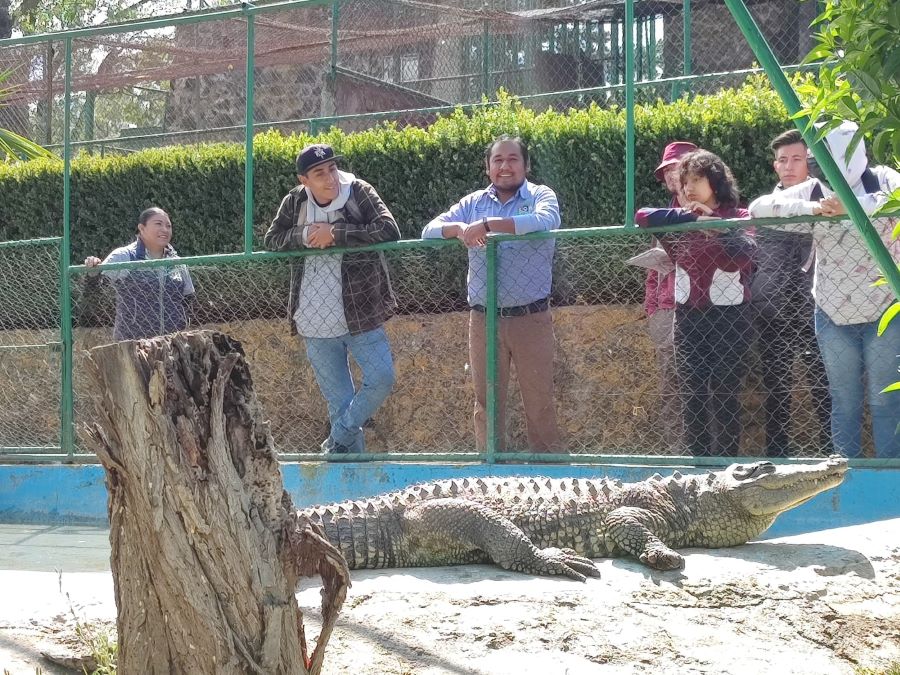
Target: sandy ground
(825, 602)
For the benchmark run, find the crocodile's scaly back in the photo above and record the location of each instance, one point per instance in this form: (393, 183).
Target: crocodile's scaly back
(553, 526)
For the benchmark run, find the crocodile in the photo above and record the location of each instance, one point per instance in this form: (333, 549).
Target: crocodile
(556, 526)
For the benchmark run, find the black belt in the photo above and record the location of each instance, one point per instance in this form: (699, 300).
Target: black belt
(541, 305)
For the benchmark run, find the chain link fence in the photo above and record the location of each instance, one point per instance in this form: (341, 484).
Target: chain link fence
(356, 63)
(29, 346)
(760, 382)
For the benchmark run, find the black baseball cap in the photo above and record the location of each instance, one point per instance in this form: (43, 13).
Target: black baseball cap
(313, 155)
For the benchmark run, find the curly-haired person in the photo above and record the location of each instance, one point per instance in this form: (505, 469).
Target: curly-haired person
(713, 270)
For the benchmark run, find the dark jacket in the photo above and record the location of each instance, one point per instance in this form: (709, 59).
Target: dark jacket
(713, 270)
(366, 286)
(782, 284)
(149, 302)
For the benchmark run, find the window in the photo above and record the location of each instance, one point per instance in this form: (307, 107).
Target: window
(409, 68)
(387, 69)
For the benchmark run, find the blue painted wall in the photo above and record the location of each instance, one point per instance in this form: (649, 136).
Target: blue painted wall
(77, 494)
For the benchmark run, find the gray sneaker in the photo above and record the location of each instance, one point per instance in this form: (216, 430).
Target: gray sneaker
(329, 447)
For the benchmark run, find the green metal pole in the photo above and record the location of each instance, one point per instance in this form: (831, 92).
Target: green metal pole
(90, 100)
(651, 48)
(629, 113)
(335, 24)
(614, 29)
(639, 50)
(686, 17)
(490, 352)
(248, 135)
(486, 59)
(67, 398)
(838, 183)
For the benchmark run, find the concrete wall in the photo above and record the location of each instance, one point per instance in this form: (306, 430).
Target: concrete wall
(76, 494)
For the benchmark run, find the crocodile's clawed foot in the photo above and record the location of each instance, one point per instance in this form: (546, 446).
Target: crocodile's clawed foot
(662, 558)
(565, 561)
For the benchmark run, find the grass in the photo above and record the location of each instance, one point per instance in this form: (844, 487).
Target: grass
(892, 669)
(101, 647)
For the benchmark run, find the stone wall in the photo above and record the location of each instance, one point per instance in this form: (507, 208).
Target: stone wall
(605, 373)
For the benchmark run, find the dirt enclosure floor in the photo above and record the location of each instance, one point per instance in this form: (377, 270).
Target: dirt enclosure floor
(824, 602)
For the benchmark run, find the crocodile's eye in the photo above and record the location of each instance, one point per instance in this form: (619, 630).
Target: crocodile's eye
(742, 471)
(745, 471)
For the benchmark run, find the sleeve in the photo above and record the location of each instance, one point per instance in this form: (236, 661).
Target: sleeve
(650, 217)
(378, 223)
(544, 217)
(889, 181)
(119, 255)
(460, 212)
(792, 202)
(738, 249)
(283, 234)
(188, 289)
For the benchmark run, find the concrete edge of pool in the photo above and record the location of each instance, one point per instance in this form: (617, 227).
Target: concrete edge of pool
(76, 494)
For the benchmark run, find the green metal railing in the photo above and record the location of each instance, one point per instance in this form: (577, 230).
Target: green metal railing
(491, 454)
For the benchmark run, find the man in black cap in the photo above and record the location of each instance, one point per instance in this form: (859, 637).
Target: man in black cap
(339, 302)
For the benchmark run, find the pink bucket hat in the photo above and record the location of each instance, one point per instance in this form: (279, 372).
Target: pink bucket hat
(672, 154)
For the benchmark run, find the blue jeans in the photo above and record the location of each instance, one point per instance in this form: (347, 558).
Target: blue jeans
(861, 363)
(348, 407)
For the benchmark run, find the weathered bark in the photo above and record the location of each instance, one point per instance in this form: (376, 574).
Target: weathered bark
(206, 546)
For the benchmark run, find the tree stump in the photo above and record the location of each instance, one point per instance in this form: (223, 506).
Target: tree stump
(206, 546)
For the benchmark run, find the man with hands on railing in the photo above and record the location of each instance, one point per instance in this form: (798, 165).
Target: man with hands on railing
(858, 361)
(510, 205)
(339, 302)
(783, 310)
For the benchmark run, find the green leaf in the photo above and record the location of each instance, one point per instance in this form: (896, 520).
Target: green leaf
(886, 318)
(891, 387)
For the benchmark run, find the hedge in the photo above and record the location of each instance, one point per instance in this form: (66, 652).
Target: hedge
(419, 172)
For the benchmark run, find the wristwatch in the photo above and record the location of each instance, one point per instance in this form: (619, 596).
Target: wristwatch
(487, 228)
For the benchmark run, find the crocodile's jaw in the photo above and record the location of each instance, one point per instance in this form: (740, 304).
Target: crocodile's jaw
(766, 490)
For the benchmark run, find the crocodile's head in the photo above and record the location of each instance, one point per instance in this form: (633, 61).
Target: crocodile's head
(740, 502)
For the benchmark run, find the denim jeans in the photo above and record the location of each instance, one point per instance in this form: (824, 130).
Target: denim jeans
(349, 407)
(860, 364)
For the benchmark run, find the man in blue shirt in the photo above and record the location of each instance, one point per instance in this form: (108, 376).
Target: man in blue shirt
(510, 205)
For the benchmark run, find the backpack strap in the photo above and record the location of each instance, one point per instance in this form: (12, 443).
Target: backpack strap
(870, 181)
(816, 193)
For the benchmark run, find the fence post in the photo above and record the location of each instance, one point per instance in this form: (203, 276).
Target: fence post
(249, 86)
(335, 24)
(686, 66)
(67, 401)
(490, 352)
(629, 113)
(486, 59)
(686, 18)
(838, 183)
